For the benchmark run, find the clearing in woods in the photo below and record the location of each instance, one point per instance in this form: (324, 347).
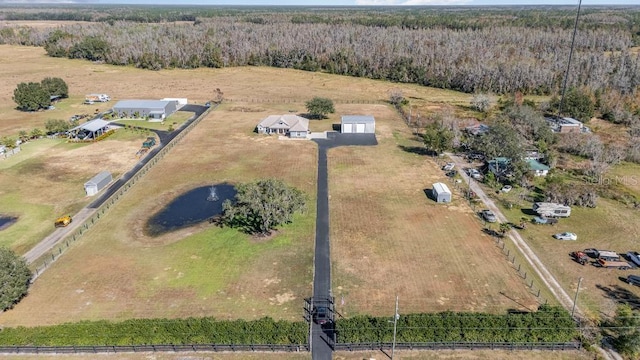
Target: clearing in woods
(387, 237)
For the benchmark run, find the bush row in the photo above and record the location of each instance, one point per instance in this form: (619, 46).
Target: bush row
(159, 332)
(548, 324)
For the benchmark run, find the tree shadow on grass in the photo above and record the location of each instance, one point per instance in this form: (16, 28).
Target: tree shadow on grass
(620, 295)
(420, 150)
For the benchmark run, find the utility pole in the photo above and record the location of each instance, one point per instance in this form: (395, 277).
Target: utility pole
(575, 298)
(395, 327)
(566, 74)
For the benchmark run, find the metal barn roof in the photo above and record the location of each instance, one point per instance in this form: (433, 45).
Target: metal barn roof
(441, 188)
(93, 125)
(137, 104)
(358, 119)
(99, 178)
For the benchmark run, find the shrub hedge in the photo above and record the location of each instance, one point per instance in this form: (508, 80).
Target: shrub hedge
(548, 324)
(159, 332)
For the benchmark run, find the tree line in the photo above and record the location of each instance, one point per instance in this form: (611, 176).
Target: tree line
(495, 57)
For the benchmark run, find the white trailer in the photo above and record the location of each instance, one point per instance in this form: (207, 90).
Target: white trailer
(548, 209)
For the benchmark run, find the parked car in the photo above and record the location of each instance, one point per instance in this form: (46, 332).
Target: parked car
(489, 216)
(448, 166)
(633, 280)
(474, 173)
(506, 188)
(566, 236)
(634, 256)
(321, 315)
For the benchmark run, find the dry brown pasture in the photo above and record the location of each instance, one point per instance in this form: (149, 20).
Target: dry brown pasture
(609, 226)
(387, 237)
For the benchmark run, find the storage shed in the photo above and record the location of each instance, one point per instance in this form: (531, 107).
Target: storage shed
(97, 183)
(441, 193)
(360, 124)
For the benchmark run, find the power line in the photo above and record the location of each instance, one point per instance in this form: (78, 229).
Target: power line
(566, 74)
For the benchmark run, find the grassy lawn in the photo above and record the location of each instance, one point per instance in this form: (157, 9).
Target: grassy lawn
(389, 239)
(117, 272)
(46, 180)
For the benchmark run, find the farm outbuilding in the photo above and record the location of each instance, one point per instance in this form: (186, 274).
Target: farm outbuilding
(89, 130)
(154, 109)
(441, 193)
(97, 183)
(360, 124)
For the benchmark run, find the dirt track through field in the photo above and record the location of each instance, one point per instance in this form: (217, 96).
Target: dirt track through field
(545, 275)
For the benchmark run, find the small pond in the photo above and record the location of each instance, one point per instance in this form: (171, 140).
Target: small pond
(6, 221)
(193, 207)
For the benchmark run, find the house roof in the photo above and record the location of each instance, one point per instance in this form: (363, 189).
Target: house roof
(441, 188)
(137, 104)
(358, 119)
(536, 165)
(291, 122)
(98, 178)
(93, 125)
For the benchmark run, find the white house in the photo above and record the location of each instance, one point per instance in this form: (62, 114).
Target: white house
(293, 126)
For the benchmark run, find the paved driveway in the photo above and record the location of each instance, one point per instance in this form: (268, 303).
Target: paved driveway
(320, 343)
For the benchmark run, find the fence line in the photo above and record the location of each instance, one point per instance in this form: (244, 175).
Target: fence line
(510, 254)
(151, 348)
(57, 250)
(457, 346)
(299, 101)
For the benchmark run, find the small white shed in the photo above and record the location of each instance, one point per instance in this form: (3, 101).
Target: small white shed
(359, 124)
(97, 183)
(441, 193)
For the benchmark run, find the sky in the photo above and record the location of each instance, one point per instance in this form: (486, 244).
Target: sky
(341, 2)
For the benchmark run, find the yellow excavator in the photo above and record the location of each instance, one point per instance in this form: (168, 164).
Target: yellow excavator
(63, 221)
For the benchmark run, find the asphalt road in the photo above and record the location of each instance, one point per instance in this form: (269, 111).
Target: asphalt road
(50, 241)
(321, 348)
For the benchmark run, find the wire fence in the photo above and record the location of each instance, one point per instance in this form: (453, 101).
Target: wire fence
(151, 348)
(300, 101)
(52, 255)
(463, 189)
(457, 346)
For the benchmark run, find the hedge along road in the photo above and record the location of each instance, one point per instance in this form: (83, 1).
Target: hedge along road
(53, 239)
(321, 348)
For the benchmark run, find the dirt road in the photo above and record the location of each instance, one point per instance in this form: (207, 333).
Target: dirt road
(549, 280)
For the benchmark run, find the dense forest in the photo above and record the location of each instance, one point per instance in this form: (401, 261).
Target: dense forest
(499, 50)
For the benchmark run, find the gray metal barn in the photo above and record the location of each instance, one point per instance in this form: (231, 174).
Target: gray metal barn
(154, 109)
(360, 124)
(97, 183)
(441, 193)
